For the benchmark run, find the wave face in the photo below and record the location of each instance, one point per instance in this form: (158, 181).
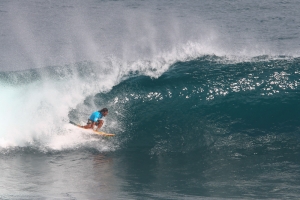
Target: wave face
(212, 104)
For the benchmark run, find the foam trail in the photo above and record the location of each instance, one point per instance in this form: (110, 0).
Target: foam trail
(39, 109)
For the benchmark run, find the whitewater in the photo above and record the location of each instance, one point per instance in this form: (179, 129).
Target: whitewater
(203, 98)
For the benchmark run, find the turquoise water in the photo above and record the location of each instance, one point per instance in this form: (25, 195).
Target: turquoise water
(203, 98)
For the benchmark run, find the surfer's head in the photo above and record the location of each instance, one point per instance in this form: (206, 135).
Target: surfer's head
(104, 111)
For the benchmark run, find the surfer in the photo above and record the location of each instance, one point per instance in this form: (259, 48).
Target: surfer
(95, 119)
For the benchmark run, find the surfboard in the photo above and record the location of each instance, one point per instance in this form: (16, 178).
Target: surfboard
(93, 131)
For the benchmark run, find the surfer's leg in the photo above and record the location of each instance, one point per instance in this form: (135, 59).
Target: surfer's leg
(99, 124)
(88, 125)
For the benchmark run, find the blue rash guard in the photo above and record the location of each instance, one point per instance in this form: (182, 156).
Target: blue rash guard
(96, 116)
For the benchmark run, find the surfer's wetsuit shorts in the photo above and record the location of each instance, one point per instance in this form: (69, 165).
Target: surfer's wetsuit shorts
(91, 121)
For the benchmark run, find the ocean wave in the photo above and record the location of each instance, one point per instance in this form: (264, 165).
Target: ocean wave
(167, 105)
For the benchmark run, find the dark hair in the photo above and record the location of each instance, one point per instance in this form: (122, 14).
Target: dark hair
(104, 110)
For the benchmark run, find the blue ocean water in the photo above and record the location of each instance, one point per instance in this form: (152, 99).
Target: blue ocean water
(203, 97)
